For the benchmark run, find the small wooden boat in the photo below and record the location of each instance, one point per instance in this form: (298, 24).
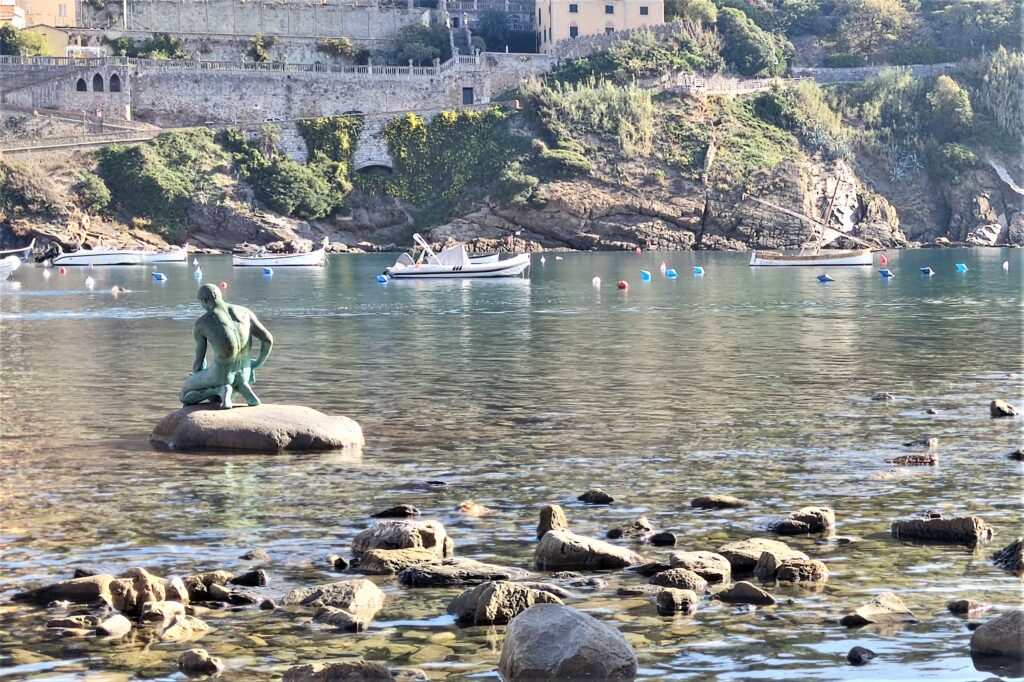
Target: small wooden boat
(8, 264)
(455, 263)
(102, 256)
(817, 255)
(22, 254)
(267, 260)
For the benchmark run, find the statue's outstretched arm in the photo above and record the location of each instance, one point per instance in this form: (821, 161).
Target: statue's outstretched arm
(266, 341)
(200, 362)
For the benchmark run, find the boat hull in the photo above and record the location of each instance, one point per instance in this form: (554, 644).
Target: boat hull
(312, 259)
(22, 254)
(821, 259)
(99, 257)
(178, 255)
(512, 267)
(8, 264)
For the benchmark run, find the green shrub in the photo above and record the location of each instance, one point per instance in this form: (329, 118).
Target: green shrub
(750, 50)
(21, 42)
(950, 161)
(843, 60)
(93, 192)
(259, 47)
(26, 188)
(923, 54)
(515, 187)
(1001, 93)
(422, 44)
(337, 47)
(294, 189)
(950, 112)
(567, 161)
(158, 46)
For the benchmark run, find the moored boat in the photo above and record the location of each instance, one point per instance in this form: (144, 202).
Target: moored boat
(105, 256)
(8, 264)
(22, 254)
(455, 263)
(179, 254)
(264, 259)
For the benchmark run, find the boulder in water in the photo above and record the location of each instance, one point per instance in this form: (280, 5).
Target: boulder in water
(198, 662)
(745, 593)
(885, 608)
(496, 603)
(713, 567)
(454, 572)
(744, 555)
(549, 642)
(1001, 636)
(596, 496)
(1011, 557)
(355, 596)
(807, 520)
(1001, 408)
(562, 549)
(264, 428)
(405, 534)
(671, 601)
(355, 670)
(552, 517)
(681, 579)
(393, 561)
(400, 511)
(966, 530)
(718, 502)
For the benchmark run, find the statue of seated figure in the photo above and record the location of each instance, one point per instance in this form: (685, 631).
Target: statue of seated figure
(228, 331)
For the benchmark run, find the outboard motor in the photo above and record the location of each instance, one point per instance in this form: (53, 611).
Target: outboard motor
(49, 253)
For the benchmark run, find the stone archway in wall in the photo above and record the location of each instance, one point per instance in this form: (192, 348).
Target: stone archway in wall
(81, 86)
(114, 83)
(97, 83)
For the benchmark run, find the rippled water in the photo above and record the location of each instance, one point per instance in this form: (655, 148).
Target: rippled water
(748, 382)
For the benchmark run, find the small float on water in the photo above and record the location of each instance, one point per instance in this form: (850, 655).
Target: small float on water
(454, 263)
(102, 256)
(8, 264)
(265, 260)
(816, 254)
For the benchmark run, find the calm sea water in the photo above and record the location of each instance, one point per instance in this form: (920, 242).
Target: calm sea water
(751, 382)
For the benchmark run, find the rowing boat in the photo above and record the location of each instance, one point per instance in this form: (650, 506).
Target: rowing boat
(264, 259)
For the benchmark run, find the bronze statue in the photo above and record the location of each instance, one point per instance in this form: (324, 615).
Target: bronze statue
(229, 330)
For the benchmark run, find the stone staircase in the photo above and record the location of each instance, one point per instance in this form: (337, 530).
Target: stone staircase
(12, 79)
(462, 40)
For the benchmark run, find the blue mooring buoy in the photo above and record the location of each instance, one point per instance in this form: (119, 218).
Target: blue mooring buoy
(198, 274)
(645, 276)
(382, 279)
(159, 277)
(268, 272)
(825, 278)
(927, 271)
(886, 273)
(961, 267)
(671, 273)
(698, 271)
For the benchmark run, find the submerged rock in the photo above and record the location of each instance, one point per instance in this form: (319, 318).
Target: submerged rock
(264, 428)
(802, 571)
(354, 670)
(456, 572)
(562, 549)
(496, 603)
(355, 596)
(114, 626)
(929, 442)
(745, 593)
(549, 642)
(343, 620)
(671, 601)
(83, 621)
(596, 496)
(1011, 557)
(1001, 408)
(963, 607)
(713, 567)
(472, 508)
(198, 662)
(718, 502)
(1017, 455)
(885, 608)
(920, 459)
(744, 555)
(681, 578)
(967, 530)
(663, 539)
(552, 517)
(159, 611)
(651, 568)
(257, 578)
(401, 511)
(1001, 636)
(393, 561)
(182, 629)
(858, 655)
(807, 520)
(85, 590)
(405, 534)
(251, 555)
(639, 528)
(883, 397)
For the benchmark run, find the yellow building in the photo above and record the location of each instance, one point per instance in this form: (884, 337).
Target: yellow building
(561, 19)
(56, 40)
(54, 13)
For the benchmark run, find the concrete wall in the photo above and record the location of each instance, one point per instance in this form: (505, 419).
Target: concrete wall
(281, 17)
(57, 89)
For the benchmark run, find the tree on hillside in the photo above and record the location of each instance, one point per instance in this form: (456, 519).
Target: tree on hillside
(871, 26)
(1001, 92)
(748, 49)
(703, 11)
(950, 109)
(422, 44)
(494, 27)
(15, 42)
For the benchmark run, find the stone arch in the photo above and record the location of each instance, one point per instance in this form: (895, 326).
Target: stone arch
(97, 83)
(80, 86)
(114, 83)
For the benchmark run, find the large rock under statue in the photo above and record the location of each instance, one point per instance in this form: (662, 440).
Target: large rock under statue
(262, 428)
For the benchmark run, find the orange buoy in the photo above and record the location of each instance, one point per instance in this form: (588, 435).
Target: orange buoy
(638, 251)
(63, 270)
(623, 284)
(223, 285)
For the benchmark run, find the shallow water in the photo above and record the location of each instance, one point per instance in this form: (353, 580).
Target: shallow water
(751, 382)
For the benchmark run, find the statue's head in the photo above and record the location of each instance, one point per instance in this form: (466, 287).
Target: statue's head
(208, 296)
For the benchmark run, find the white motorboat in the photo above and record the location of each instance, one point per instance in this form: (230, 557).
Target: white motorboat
(455, 263)
(267, 260)
(816, 255)
(8, 264)
(22, 254)
(102, 256)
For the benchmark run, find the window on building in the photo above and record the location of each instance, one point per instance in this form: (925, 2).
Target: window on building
(574, 31)
(574, 9)
(644, 10)
(97, 83)
(609, 9)
(539, 17)
(62, 10)
(115, 83)
(467, 95)
(80, 86)
(609, 30)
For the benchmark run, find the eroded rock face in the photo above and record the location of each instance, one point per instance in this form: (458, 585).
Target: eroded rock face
(496, 603)
(562, 549)
(356, 670)
(713, 567)
(552, 517)
(1001, 636)
(885, 608)
(264, 428)
(355, 596)
(555, 642)
(453, 572)
(967, 530)
(405, 534)
(744, 555)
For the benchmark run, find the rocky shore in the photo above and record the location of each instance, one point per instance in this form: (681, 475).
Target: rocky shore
(544, 636)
